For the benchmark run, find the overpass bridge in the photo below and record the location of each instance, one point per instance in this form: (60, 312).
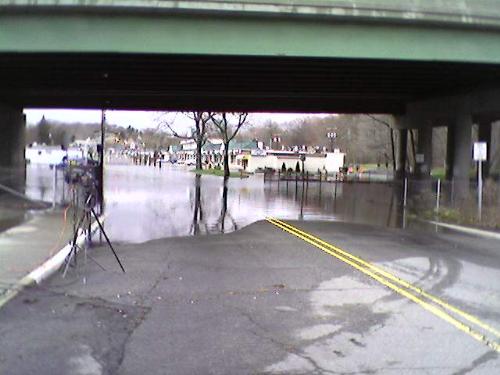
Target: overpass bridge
(430, 63)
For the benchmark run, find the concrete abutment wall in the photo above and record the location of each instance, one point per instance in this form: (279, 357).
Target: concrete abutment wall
(12, 144)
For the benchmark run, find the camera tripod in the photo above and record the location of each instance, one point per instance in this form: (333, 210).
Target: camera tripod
(84, 224)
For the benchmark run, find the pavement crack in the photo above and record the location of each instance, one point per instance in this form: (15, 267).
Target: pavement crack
(285, 347)
(155, 283)
(136, 323)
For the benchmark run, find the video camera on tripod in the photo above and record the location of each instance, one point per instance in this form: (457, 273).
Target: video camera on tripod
(85, 182)
(84, 179)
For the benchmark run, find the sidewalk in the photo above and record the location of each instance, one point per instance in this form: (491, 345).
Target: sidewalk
(466, 229)
(26, 246)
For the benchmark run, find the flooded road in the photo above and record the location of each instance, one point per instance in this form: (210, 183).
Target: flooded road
(145, 203)
(291, 305)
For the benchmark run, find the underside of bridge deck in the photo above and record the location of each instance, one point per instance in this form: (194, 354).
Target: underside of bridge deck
(275, 84)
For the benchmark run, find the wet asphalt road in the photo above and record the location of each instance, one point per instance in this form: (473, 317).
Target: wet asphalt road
(259, 301)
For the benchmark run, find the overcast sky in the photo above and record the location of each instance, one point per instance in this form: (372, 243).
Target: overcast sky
(137, 119)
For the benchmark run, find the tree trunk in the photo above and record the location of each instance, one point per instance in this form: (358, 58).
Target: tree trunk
(222, 218)
(198, 155)
(226, 160)
(197, 210)
(413, 152)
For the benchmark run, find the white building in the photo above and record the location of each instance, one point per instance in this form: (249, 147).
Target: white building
(276, 159)
(43, 154)
(187, 152)
(251, 157)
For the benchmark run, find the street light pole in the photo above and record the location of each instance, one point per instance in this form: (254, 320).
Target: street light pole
(101, 162)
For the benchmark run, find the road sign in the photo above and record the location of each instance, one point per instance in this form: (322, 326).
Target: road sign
(480, 151)
(480, 155)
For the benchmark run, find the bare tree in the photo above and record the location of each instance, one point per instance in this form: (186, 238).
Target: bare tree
(199, 131)
(228, 125)
(391, 135)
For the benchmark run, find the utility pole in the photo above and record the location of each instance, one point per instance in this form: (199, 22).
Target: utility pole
(101, 163)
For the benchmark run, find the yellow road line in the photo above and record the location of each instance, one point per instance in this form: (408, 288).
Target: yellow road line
(397, 279)
(431, 308)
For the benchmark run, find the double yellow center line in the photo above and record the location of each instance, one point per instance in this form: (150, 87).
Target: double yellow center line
(431, 303)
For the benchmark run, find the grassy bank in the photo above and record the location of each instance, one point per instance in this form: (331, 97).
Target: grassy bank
(215, 172)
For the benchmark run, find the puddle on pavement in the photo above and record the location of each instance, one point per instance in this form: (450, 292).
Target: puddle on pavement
(365, 332)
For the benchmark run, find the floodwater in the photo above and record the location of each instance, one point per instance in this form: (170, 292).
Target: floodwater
(144, 203)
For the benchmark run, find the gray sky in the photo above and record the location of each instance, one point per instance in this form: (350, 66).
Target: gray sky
(138, 119)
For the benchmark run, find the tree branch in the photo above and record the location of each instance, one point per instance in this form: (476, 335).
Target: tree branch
(175, 134)
(379, 120)
(242, 118)
(224, 127)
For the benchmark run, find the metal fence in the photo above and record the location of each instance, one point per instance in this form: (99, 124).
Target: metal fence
(47, 184)
(34, 184)
(368, 176)
(432, 199)
(445, 200)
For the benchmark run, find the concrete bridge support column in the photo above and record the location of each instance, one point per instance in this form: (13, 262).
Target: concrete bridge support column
(424, 148)
(461, 147)
(401, 153)
(450, 147)
(12, 143)
(484, 135)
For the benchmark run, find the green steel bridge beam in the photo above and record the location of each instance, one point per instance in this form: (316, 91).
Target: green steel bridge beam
(483, 13)
(284, 55)
(330, 29)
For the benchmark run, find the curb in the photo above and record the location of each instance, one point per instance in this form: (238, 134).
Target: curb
(48, 268)
(468, 230)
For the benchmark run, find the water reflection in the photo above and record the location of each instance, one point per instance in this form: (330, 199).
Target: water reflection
(39, 182)
(197, 209)
(146, 203)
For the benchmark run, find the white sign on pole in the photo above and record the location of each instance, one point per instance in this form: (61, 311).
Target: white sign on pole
(480, 151)
(480, 155)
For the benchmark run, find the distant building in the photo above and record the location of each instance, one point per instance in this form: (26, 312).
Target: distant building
(186, 154)
(251, 156)
(278, 160)
(51, 155)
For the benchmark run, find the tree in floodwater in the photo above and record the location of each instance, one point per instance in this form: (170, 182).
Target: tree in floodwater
(228, 125)
(197, 208)
(391, 137)
(199, 131)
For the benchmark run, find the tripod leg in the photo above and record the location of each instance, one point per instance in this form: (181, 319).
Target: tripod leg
(107, 239)
(68, 261)
(72, 255)
(74, 246)
(89, 231)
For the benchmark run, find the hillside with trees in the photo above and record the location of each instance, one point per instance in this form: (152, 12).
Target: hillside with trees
(364, 138)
